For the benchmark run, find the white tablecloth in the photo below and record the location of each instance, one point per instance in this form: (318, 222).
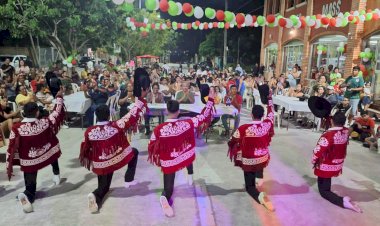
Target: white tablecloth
(291, 103)
(77, 102)
(197, 108)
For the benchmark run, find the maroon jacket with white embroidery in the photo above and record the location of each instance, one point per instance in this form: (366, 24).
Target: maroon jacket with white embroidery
(172, 144)
(330, 152)
(105, 147)
(249, 145)
(33, 143)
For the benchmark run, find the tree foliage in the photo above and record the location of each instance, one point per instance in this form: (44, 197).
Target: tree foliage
(213, 45)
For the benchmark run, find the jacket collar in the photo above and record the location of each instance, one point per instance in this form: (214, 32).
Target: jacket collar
(171, 120)
(336, 128)
(29, 120)
(102, 123)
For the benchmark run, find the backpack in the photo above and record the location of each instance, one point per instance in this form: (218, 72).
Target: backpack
(54, 82)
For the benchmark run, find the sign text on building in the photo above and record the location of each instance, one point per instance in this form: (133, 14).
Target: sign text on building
(332, 8)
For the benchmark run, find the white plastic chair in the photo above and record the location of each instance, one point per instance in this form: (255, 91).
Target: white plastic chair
(112, 103)
(247, 96)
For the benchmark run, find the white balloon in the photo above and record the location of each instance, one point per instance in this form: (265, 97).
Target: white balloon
(179, 8)
(243, 25)
(64, 62)
(356, 13)
(365, 60)
(289, 23)
(164, 26)
(128, 19)
(255, 24)
(157, 5)
(232, 25)
(118, 2)
(146, 20)
(311, 23)
(320, 52)
(248, 20)
(340, 15)
(341, 44)
(183, 26)
(198, 12)
(367, 50)
(69, 65)
(275, 22)
(362, 18)
(129, 1)
(339, 22)
(133, 28)
(210, 25)
(318, 23)
(299, 24)
(201, 26)
(193, 24)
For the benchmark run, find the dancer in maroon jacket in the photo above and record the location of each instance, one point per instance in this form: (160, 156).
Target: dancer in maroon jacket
(33, 144)
(328, 159)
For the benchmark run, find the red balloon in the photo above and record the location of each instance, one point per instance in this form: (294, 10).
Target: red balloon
(303, 23)
(153, 26)
(357, 20)
(187, 8)
(332, 22)
(362, 67)
(325, 20)
(197, 23)
(282, 22)
(375, 16)
(271, 18)
(215, 24)
(220, 15)
(319, 16)
(227, 26)
(164, 5)
(239, 26)
(179, 25)
(350, 18)
(144, 34)
(189, 26)
(240, 19)
(369, 10)
(205, 26)
(254, 19)
(74, 62)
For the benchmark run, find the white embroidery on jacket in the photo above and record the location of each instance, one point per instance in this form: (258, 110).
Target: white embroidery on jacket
(115, 160)
(98, 133)
(35, 152)
(174, 129)
(178, 160)
(341, 137)
(323, 142)
(42, 158)
(258, 130)
(33, 128)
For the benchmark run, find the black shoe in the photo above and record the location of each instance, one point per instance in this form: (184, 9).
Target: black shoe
(366, 145)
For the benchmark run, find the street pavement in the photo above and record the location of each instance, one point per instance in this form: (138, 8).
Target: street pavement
(217, 197)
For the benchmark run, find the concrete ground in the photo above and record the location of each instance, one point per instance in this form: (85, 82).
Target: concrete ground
(217, 198)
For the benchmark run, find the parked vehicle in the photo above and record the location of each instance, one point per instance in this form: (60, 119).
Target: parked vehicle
(15, 59)
(84, 60)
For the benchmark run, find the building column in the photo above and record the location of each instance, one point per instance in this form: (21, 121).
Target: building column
(280, 49)
(354, 39)
(306, 57)
(263, 34)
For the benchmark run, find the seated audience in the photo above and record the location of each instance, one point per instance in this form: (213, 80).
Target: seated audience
(153, 97)
(364, 126)
(234, 99)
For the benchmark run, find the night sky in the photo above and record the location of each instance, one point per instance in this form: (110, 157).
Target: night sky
(192, 38)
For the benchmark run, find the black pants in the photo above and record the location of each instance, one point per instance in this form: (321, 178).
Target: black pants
(324, 187)
(250, 183)
(30, 180)
(169, 182)
(104, 181)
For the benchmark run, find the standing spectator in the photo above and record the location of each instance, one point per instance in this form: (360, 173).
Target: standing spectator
(255, 70)
(84, 74)
(53, 82)
(355, 85)
(152, 98)
(126, 99)
(7, 68)
(22, 68)
(335, 76)
(364, 126)
(296, 73)
(239, 70)
(366, 101)
(234, 99)
(11, 84)
(98, 97)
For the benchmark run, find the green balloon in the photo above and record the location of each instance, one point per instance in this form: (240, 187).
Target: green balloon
(127, 7)
(362, 54)
(368, 16)
(210, 13)
(346, 14)
(362, 12)
(191, 13)
(229, 16)
(344, 22)
(320, 47)
(157, 26)
(271, 25)
(174, 24)
(150, 4)
(294, 19)
(69, 59)
(341, 49)
(173, 8)
(221, 25)
(368, 55)
(314, 17)
(260, 20)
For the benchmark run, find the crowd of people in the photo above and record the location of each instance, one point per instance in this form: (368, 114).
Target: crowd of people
(106, 147)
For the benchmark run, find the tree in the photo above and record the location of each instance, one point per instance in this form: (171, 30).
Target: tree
(213, 45)
(21, 18)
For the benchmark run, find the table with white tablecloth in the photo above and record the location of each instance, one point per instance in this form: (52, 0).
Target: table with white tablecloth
(77, 103)
(291, 104)
(197, 108)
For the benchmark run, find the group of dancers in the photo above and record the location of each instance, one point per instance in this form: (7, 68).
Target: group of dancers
(105, 148)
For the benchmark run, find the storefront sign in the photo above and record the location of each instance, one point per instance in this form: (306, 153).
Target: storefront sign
(332, 8)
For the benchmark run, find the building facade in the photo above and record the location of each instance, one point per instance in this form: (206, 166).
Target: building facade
(282, 48)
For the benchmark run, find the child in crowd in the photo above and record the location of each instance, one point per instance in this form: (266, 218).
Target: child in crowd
(366, 101)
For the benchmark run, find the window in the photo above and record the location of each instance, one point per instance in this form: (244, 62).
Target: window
(271, 53)
(329, 55)
(374, 45)
(293, 52)
(291, 3)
